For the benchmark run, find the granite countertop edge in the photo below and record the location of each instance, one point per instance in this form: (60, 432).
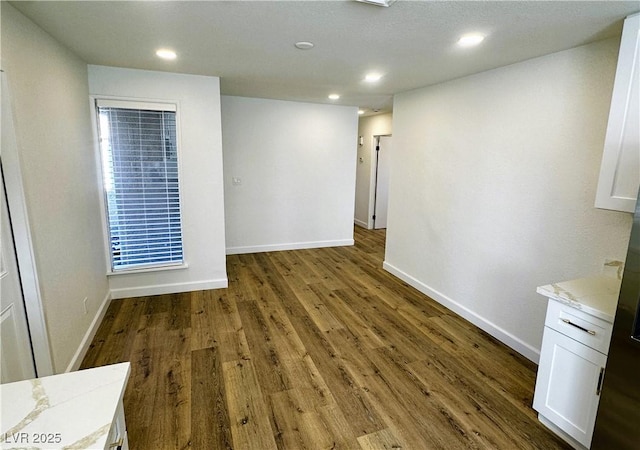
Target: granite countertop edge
(595, 295)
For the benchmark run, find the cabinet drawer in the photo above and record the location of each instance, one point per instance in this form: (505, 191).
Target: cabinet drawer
(578, 325)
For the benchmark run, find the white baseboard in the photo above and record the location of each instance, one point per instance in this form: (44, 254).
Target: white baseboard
(361, 223)
(76, 361)
(174, 288)
(503, 336)
(291, 246)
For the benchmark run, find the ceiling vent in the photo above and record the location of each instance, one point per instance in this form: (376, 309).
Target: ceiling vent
(384, 3)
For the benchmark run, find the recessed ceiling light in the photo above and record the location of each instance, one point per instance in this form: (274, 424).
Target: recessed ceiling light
(304, 45)
(372, 77)
(361, 111)
(334, 96)
(469, 40)
(165, 53)
(385, 3)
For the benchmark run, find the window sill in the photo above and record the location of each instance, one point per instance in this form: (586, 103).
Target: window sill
(148, 269)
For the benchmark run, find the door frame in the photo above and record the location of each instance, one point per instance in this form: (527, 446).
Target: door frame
(373, 179)
(16, 199)
(20, 355)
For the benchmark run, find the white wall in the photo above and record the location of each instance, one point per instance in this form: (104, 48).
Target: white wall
(368, 127)
(493, 187)
(200, 155)
(296, 162)
(49, 91)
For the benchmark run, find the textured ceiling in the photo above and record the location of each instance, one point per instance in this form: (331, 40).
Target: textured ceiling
(250, 45)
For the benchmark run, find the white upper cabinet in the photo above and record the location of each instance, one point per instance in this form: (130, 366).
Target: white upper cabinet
(620, 169)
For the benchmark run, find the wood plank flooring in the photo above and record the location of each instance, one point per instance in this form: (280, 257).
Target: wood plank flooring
(315, 349)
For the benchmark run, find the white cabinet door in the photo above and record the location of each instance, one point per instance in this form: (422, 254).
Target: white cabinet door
(569, 376)
(620, 169)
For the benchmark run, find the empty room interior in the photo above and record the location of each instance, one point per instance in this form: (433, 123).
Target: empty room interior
(347, 224)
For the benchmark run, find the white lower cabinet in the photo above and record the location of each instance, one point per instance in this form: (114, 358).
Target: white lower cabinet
(570, 374)
(568, 385)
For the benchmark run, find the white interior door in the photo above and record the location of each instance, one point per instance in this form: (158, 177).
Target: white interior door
(15, 344)
(383, 152)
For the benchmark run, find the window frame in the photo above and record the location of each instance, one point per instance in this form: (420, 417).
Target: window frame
(135, 103)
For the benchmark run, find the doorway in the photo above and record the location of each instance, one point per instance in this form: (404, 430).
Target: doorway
(383, 149)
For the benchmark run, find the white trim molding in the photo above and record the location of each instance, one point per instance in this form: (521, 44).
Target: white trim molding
(529, 352)
(290, 246)
(16, 199)
(79, 355)
(361, 223)
(160, 289)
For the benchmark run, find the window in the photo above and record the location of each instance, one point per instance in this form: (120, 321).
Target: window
(139, 152)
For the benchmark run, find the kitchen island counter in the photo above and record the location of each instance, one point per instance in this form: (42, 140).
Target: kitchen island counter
(79, 410)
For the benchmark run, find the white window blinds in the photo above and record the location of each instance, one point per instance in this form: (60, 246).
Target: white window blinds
(140, 177)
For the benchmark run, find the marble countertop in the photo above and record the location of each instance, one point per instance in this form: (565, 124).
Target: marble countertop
(72, 410)
(596, 295)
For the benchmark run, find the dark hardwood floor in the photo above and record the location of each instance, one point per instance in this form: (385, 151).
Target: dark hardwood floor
(315, 349)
